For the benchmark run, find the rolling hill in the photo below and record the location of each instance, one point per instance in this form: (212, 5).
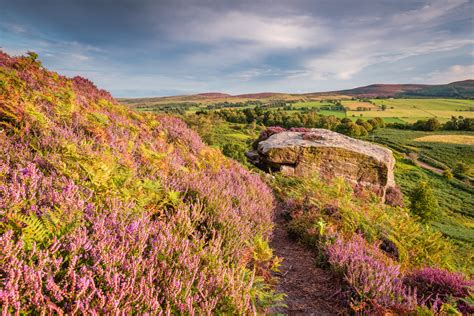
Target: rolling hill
(459, 89)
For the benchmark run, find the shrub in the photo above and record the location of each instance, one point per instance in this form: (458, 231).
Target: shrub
(234, 151)
(436, 287)
(461, 168)
(423, 203)
(374, 280)
(369, 244)
(447, 174)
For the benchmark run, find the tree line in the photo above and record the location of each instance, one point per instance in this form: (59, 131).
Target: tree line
(459, 123)
(310, 119)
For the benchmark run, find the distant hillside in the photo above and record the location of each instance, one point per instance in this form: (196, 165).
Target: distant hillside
(382, 90)
(460, 89)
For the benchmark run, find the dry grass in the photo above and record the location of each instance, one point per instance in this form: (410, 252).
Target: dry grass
(453, 139)
(353, 105)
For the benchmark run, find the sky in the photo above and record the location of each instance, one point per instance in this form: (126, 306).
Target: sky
(143, 48)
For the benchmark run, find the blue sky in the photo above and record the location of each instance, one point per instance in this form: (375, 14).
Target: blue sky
(138, 48)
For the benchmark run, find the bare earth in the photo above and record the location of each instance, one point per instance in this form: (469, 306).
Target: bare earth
(414, 157)
(310, 290)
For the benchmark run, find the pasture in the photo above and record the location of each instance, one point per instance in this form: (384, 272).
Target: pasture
(411, 110)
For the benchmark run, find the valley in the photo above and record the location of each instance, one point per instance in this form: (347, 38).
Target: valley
(437, 150)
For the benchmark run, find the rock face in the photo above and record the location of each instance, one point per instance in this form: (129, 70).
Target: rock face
(329, 154)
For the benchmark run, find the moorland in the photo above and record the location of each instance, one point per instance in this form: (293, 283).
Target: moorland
(134, 208)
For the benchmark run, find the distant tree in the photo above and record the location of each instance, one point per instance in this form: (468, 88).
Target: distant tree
(433, 125)
(384, 107)
(452, 124)
(351, 129)
(430, 125)
(32, 55)
(366, 125)
(423, 203)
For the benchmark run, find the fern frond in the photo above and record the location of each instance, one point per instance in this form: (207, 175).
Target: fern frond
(35, 231)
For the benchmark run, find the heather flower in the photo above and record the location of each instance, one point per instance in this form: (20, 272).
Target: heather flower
(104, 210)
(436, 286)
(372, 278)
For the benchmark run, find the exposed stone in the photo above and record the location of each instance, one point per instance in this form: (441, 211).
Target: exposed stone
(328, 153)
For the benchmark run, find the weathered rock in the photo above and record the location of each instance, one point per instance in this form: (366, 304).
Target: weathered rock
(329, 154)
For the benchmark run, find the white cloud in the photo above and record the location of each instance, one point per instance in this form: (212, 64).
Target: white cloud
(325, 50)
(368, 45)
(432, 12)
(235, 37)
(290, 32)
(453, 73)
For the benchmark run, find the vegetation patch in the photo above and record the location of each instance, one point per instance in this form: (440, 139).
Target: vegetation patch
(108, 211)
(379, 251)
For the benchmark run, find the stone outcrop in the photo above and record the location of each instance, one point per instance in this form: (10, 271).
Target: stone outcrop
(328, 154)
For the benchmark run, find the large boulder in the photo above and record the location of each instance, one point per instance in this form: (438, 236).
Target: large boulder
(328, 154)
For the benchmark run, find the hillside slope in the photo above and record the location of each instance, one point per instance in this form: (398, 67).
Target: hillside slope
(460, 89)
(103, 210)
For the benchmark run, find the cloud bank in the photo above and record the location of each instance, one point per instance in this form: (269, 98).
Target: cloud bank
(146, 48)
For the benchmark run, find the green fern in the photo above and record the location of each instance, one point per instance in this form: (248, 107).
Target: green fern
(41, 230)
(34, 231)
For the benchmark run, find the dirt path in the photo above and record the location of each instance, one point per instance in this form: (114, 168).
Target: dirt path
(310, 290)
(414, 157)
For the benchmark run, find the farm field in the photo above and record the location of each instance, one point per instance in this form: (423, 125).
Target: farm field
(450, 139)
(456, 202)
(310, 104)
(397, 110)
(429, 144)
(411, 110)
(353, 105)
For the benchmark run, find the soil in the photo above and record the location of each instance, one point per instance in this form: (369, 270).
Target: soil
(414, 157)
(309, 290)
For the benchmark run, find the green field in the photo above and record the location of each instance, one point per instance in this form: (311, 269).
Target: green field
(411, 110)
(455, 197)
(397, 110)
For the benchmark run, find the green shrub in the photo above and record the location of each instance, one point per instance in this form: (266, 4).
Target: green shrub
(423, 203)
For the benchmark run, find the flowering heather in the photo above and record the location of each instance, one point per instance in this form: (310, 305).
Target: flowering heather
(436, 286)
(374, 280)
(104, 210)
(371, 246)
(270, 131)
